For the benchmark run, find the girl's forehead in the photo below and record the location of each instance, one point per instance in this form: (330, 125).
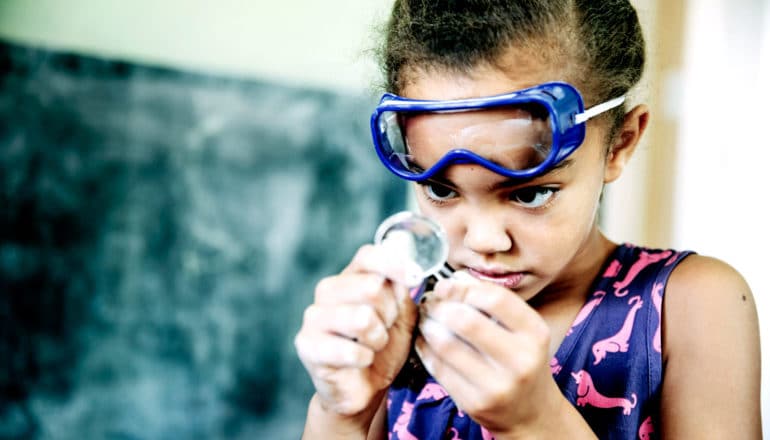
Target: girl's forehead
(482, 80)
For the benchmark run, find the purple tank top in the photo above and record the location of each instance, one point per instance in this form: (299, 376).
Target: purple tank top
(608, 366)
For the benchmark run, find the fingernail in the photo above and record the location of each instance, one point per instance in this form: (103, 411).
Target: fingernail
(442, 287)
(432, 329)
(425, 361)
(374, 282)
(464, 276)
(391, 316)
(414, 275)
(403, 294)
(350, 357)
(362, 316)
(376, 334)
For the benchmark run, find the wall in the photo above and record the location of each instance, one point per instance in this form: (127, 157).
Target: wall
(721, 172)
(322, 44)
(162, 229)
(160, 234)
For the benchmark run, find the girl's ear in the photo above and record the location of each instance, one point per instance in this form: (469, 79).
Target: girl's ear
(629, 134)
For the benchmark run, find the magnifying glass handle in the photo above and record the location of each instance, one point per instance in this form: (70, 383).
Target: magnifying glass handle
(445, 272)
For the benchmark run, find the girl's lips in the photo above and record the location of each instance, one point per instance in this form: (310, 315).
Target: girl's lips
(506, 279)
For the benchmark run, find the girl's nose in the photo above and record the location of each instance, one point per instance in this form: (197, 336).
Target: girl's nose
(485, 233)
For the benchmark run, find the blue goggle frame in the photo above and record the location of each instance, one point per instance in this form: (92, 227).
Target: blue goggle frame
(562, 101)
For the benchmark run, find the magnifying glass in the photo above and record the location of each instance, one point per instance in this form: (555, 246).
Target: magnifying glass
(418, 238)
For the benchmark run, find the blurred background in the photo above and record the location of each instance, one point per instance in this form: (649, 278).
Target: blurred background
(171, 190)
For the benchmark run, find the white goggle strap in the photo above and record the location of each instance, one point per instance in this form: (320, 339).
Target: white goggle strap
(599, 109)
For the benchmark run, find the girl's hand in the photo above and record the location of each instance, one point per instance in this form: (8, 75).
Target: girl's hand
(489, 349)
(356, 336)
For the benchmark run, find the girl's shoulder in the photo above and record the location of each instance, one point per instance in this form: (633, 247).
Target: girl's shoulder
(702, 287)
(696, 287)
(706, 298)
(708, 275)
(710, 351)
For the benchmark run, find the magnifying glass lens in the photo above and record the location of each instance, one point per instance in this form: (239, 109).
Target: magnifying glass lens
(416, 237)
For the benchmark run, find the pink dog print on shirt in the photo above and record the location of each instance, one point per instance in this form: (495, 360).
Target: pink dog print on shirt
(432, 391)
(588, 395)
(673, 258)
(613, 269)
(657, 300)
(645, 259)
(586, 310)
(619, 341)
(647, 429)
(555, 367)
(400, 427)
(486, 435)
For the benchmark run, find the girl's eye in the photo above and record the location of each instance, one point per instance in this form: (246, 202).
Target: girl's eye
(438, 192)
(533, 197)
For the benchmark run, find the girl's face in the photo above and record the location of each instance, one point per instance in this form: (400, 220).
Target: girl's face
(541, 234)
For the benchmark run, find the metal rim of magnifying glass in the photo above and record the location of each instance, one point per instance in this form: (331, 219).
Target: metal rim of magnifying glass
(409, 216)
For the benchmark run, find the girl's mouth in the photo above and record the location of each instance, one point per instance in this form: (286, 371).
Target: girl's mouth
(505, 279)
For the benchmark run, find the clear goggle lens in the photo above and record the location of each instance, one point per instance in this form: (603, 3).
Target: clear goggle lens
(516, 137)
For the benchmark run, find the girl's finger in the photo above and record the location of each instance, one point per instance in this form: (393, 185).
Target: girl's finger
(500, 303)
(453, 350)
(382, 260)
(360, 288)
(323, 351)
(474, 327)
(355, 322)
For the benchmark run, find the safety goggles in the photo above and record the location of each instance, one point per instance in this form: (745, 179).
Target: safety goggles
(519, 135)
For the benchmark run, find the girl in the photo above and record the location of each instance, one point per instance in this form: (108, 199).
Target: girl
(509, 116)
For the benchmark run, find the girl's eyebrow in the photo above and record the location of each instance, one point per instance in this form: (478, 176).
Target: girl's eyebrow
(510, 183)
(434, 179)
(440, 180)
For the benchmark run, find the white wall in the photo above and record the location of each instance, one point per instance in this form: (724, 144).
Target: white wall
(721, 187)
(316, 43)
(628, 224)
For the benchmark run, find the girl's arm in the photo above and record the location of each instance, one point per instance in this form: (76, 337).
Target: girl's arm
(322, 424)
(711, 354)
(378, 428)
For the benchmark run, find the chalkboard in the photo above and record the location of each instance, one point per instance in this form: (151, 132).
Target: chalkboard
(161, 232)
